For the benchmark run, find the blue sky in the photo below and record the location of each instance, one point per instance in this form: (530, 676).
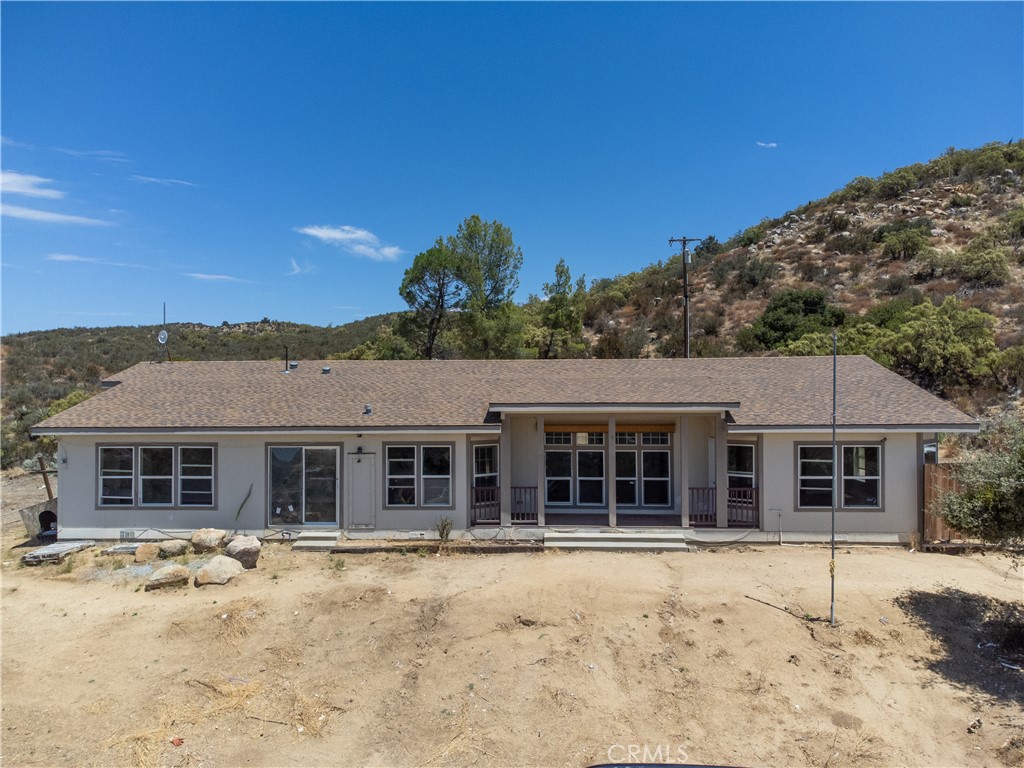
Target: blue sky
(289, 160)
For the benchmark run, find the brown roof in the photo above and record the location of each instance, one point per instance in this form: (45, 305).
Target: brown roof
(768, 392)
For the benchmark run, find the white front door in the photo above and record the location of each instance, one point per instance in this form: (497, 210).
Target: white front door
(361, 490)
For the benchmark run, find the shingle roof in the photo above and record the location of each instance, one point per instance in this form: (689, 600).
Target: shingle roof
(774, 392)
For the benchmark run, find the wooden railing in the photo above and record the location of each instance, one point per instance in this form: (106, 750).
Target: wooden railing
(743, 509)
(702, 508)
(485, 506)
(524, 505)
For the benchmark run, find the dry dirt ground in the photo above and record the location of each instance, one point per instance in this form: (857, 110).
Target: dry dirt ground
(518, 659)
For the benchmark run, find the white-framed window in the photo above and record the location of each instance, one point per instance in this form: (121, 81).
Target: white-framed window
(485, 466)
(117, 475)
(558, 438)
(156, 475)
(814, 476)
(654, 438)
(655, 467)
(862, 476)
(625, 438)
(558, 477)
(304, 483)
(590, 478)
(626, 487)
(437, 475)
(419, 475)
(401, 477)
(195, 476)
(740, 465)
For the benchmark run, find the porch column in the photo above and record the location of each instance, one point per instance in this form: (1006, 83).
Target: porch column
(505, 470)
(721, 473)
(610, 472)
(541, 485)
(683, 470)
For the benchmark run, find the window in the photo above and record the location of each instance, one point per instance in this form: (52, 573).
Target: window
(156, 475)
(814, 485)
(654, 438)
(590, 477)
(437, 475)
(402, 475)
(741, 466)
(195, 476)
(862, 476)
(656, 481)
(304, 484)
(625, 438)
(485, 466)
(625, 478)
(419, 475)
(558, 477)
(117, 476)
(558, 438)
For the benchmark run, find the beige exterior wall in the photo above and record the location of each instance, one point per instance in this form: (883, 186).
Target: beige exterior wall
(899, 512)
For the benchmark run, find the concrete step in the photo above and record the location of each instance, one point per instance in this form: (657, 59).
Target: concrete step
(316, 541)
(617, 541)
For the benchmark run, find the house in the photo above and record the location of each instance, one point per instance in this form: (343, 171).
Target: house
(390, 447)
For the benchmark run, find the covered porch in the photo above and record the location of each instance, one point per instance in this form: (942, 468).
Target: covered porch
(637, 469)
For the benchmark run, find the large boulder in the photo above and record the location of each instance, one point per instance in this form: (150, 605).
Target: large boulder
(208, 539)
(245, 549)
(146, 552)
(172, 575)
(173, 547)
(220, 570)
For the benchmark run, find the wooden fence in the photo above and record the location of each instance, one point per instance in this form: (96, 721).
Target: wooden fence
(938, 478)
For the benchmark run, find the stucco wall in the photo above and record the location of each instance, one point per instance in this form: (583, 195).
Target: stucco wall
(899, 512)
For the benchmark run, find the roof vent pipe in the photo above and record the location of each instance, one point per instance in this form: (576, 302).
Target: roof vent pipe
(325, 369)
(286, 366)
(367, 410)
(293, 365)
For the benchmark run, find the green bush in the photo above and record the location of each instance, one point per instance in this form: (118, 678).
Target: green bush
(903, 245)
(899, 182)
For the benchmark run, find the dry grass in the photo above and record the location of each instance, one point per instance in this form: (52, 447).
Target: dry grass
(144, 746)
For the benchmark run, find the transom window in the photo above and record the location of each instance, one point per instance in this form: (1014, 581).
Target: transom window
(419, 475)
(156, 475)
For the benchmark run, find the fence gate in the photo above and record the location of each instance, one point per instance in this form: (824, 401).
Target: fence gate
(938, 478)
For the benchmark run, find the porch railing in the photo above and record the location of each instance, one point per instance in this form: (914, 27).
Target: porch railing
(524, 505)
(743, 510)
(485, 506)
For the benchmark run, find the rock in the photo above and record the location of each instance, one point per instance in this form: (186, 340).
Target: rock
(146, 552)
(244, 549)
(173, 547)
(207, 539)
(172, 575)
(220, 570)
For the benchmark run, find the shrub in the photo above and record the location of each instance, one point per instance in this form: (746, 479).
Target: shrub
(899, 182)
(985, 268)
(904, 245)
(961, 201)
(754, 273)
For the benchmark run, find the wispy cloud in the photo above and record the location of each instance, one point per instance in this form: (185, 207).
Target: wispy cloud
(8, 142)
(14, 183)
(299, 270)
(107, 155)
(767, 144)
(214, 278)
(48, 217)
(162, 182)
(354, 240)
(71, 258)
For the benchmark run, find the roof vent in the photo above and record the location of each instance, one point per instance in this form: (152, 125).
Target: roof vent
(367, 410)
(292, 366)
(325, 369)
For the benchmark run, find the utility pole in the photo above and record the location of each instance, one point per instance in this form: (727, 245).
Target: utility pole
(685, 241)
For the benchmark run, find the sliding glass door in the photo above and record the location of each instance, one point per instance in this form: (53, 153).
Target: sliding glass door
(303, 485)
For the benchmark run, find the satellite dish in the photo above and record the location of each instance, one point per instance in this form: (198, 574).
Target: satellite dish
(162, 337)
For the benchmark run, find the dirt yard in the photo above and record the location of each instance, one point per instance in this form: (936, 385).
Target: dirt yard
(518, 659)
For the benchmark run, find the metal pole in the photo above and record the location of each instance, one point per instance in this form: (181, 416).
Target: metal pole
(686, 301)
(835, 489)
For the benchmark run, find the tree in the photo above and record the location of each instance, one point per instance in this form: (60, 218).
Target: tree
(562, 313)
(488, 260)
(433, 289)
(989, 501)
(856, 339)
(944, 347)
(791, 315)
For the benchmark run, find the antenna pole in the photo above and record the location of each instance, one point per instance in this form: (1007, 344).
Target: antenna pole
(684, 241)
(835, 489)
